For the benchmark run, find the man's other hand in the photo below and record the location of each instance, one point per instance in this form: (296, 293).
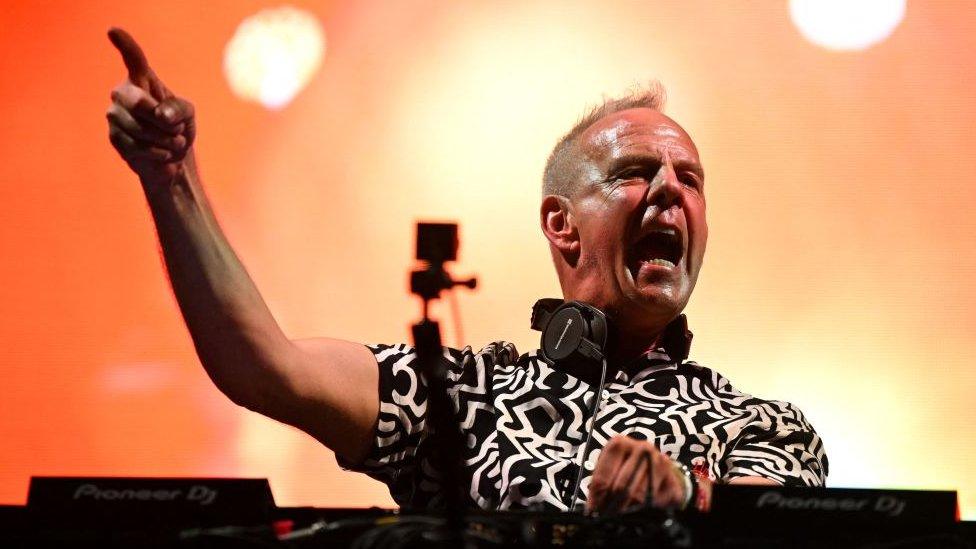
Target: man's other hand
(152, 129)
(628, 472)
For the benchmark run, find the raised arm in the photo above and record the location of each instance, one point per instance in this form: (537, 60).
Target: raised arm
(326, 387)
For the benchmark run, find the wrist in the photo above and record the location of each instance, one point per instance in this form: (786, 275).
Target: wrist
(177, 180)
(689, 482)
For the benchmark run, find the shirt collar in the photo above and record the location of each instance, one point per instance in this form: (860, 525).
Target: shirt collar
(676, 342)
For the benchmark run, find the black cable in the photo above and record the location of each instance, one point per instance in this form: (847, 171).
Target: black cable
(589, 435)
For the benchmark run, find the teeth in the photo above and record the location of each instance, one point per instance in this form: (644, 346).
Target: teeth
(660, 262)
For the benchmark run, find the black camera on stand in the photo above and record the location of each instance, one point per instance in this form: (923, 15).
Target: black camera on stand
(437, 243)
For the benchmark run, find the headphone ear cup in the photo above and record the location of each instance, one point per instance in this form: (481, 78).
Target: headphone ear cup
(563, 333)
(575, 331)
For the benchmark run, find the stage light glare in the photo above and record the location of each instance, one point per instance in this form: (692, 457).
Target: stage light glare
(273, 55)
(846, 24)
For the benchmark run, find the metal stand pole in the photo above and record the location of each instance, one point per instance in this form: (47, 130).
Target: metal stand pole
(439, 246)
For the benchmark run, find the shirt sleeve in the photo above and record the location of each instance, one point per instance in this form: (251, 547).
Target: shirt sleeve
(778, 443)
(399, 456)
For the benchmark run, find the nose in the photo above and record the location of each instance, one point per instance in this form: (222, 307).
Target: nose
(664, 191)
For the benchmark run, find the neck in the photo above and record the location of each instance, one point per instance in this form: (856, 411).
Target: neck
(630, 345)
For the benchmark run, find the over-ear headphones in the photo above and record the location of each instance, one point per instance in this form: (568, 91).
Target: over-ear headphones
(572, 332)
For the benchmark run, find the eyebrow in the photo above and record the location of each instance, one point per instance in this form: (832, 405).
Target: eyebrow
(680, 164)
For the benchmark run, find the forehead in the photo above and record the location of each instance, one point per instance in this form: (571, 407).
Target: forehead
(637, 132)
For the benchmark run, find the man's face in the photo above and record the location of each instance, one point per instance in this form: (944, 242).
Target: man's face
(640, 212)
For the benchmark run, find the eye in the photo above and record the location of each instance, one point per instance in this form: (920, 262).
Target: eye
(635, 172)
(690, 180)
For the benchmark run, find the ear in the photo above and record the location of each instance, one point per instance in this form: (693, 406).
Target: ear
(559, 225)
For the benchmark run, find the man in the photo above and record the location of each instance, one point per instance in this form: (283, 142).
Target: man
(624, 213)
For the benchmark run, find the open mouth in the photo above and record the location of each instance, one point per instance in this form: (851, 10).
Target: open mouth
(660, 247)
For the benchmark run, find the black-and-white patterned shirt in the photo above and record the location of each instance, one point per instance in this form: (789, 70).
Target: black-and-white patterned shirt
(525, 423)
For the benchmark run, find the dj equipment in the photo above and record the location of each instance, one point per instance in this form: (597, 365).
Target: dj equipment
(168, 512)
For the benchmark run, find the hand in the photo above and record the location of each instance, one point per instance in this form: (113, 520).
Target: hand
(629, 471)
(152, 129)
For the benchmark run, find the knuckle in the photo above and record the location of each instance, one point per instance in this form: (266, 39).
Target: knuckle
(124, 92)
(112, 113)
(182, 103)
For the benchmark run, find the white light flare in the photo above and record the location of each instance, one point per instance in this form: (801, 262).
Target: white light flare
(273, 55)
(847, 24)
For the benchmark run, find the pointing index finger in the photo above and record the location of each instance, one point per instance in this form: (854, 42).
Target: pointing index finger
(132, 55)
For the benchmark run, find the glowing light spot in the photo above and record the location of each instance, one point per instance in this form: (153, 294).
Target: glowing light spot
(273, 55)
(847, 24)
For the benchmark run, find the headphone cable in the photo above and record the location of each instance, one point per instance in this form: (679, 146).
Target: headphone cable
(589, 435)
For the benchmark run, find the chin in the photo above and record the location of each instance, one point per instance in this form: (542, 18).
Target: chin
(654, 306)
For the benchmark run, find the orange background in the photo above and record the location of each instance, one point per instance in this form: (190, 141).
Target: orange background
(840, 191)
